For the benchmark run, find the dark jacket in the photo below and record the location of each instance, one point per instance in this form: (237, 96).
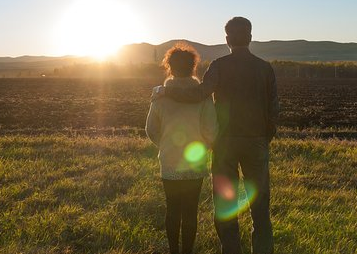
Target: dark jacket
(245, 94)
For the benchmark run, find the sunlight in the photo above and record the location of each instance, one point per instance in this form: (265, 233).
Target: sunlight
(97, 28)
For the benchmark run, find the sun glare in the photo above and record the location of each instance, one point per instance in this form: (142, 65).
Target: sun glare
(97, 28)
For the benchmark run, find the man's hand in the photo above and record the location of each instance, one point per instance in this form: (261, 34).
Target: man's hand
(157, 92)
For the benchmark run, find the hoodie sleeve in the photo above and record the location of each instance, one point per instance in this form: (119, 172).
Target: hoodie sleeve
(153, 124)
(208, 122)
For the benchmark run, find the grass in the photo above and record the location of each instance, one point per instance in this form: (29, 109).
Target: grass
(62, 194)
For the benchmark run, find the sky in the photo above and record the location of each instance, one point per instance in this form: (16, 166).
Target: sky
(80, 27)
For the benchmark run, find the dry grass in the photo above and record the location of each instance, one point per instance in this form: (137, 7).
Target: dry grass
(103, 195)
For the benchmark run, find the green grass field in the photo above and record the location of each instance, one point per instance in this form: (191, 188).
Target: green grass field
(63, 194)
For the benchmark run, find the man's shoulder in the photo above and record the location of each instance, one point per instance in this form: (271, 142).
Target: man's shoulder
(251, 58)
(250, 55)
(261, 61)
(222, 59)
(264, 66)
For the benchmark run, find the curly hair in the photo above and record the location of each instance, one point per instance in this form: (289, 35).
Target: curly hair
(181, 60)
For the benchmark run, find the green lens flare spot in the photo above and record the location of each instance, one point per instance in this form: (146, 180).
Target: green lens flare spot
(227, 208)
(195, 152)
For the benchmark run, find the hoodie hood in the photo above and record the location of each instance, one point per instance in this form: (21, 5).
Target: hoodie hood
(187, 81)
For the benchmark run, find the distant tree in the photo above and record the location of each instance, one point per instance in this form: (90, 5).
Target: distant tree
(315, 69)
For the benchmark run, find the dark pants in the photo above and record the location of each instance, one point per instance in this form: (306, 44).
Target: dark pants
(252, 154)
(181, 212)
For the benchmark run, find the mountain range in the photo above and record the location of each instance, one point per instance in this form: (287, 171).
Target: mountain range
(298, 50)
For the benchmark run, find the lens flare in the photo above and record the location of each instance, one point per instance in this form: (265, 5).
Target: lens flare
(228, 199)
(224, 187)
(195, 152)
(195, 155)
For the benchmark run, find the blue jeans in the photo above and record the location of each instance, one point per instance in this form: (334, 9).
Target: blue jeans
(252, 154)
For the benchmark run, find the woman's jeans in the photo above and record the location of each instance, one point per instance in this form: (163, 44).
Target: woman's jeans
(181, 212)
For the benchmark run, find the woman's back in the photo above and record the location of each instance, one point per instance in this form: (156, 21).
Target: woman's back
(183, 133)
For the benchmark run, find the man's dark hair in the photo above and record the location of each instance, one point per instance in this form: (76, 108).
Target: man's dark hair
(239, 31)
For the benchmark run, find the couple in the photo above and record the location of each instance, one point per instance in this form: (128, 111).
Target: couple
(184, 122)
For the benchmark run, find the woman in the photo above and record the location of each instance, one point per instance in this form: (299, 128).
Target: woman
(183, 133)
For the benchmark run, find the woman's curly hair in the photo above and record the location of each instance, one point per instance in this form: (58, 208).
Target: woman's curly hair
(181, 61)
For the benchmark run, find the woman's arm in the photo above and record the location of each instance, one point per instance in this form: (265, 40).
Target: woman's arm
(153, 124)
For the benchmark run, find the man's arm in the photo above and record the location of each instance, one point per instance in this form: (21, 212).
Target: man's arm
(196, 93)
(208, 122)
(273, 104)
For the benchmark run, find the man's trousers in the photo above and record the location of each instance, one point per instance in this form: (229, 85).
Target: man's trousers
(252, 154)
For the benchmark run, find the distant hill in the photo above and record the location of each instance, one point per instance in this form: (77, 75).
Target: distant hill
(39, 62)
(299, 50)
(302, 50)
(150, 53)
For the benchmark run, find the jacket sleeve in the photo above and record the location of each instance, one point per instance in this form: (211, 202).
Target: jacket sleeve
(273, 104)
(208, 122)
(153, 124)
(199, 93)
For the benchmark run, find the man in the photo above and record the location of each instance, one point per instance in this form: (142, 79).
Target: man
(247, 109)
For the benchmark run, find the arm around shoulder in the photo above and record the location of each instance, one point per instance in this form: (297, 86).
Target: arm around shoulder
(199, 93)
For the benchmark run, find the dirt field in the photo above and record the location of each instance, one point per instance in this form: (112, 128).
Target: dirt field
(55, 105)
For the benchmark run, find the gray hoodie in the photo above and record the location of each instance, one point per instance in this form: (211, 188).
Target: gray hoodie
(183, 132)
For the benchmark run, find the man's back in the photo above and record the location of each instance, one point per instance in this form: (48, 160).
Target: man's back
(242, 93)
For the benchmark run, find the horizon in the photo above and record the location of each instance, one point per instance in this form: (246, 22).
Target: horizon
(100, 27)
(139, 43)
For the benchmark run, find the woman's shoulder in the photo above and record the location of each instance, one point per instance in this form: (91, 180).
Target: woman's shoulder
(186, 81)
(160, 103)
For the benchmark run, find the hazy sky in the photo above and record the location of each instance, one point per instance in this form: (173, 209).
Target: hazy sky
(35, 27)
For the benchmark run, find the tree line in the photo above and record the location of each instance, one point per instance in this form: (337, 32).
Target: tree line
(288, 69)
(315, 69)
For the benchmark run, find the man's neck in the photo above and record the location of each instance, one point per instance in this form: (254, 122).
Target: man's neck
(239, 49)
